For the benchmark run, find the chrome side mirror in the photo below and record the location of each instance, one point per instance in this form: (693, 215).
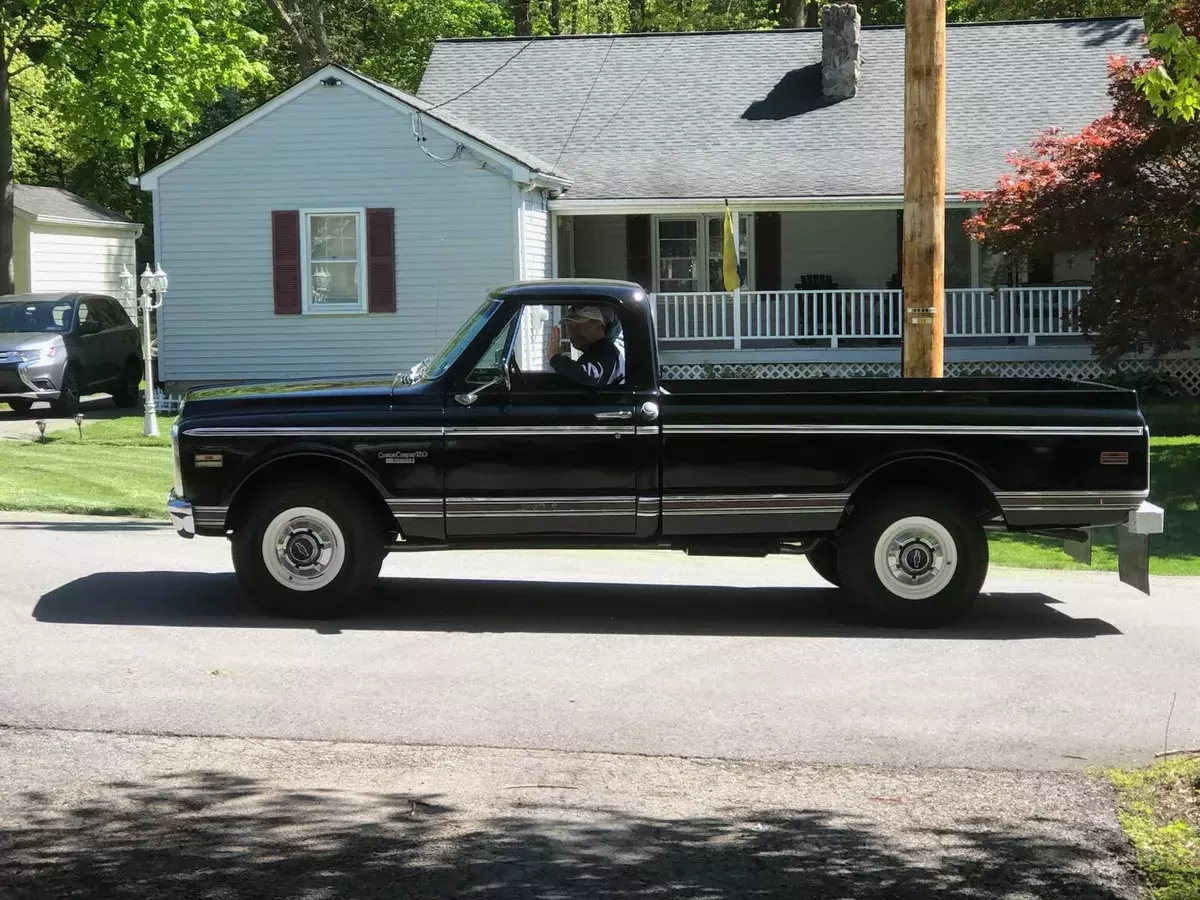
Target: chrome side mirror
(468, 398)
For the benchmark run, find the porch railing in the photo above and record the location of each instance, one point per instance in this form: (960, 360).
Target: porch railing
(752, 317)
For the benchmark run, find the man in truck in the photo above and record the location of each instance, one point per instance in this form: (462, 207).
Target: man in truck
(601, 360)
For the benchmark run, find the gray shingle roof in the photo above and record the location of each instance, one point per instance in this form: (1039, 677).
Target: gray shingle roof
(56, 203)
(740, 114)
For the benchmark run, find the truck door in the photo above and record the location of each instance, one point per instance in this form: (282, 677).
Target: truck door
(541, 456)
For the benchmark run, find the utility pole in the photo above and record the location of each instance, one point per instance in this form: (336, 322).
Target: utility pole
(924, 187)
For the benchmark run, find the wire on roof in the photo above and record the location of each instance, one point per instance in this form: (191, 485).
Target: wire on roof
(583, 105)
(489, 75)
(629, 96)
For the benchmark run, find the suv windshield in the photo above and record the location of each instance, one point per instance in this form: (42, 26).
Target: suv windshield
(448, 354)
(35, 316)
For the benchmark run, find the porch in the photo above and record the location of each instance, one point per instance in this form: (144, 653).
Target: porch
(819, 283)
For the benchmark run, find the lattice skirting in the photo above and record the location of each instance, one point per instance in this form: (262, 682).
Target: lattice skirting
(1185, 372)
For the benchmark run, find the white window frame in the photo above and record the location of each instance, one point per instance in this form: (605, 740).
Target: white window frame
(306, 305)
(746, 221)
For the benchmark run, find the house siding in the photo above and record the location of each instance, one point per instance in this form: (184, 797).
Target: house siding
(856, 247)
(455, 237)
(20, 255)
(74, 258)
(535, 235)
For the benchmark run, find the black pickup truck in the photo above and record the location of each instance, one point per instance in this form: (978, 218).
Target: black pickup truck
(888, 485)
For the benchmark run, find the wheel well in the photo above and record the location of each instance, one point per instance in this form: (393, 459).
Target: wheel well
(308, 467)
(942, 476)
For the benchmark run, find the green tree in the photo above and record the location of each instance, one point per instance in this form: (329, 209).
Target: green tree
(122, 73)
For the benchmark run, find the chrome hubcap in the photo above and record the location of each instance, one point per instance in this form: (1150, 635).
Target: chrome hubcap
(303, 549)
(915, 558)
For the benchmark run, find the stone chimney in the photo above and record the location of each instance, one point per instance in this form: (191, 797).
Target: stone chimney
(841, 26)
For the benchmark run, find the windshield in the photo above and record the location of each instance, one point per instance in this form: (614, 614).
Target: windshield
(448, 354)
(36, 316)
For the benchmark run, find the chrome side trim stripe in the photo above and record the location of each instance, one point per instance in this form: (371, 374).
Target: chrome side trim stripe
(1027, 501)
(210, 517)
(755, 504)
(416, 507)
(958, 430)
(536, 430)
(537, 507)
(318, 431)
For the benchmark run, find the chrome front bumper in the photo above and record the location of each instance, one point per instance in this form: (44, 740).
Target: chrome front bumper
(180, 511)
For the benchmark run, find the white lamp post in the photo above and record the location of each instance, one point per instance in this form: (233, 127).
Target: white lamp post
(154, 286)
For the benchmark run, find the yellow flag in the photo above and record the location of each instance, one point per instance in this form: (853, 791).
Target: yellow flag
(729, 260)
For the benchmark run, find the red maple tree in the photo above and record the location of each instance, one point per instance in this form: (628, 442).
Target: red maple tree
(1125, 189)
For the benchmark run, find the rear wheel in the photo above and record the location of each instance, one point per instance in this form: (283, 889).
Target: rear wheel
(67, 403)
(308, 551)
(125, 395)
(913, 558)
(20, 406)
(824, 559)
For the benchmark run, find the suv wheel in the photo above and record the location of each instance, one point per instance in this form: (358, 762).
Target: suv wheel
(126, 393)
(67, 403)
(913, 558)
(308, 551)
(20, 406)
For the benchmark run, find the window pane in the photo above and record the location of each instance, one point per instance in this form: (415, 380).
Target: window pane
(677, 248)
(674, 269)
(333, 237)
(334, 283)
(676, 228)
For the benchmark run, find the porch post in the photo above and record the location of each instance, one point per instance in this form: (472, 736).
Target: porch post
(737, 291)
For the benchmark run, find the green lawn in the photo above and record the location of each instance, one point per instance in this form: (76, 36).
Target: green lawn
(116, 471)
(113, 470)
(1174, 485)
(1159, 809)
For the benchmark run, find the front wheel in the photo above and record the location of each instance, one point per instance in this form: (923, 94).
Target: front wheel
(67, 403)
(308, 551)
(913, 558)
(125, 395)
(20, 406)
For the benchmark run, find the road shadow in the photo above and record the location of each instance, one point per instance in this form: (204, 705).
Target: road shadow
(218, 835)
(477, 605)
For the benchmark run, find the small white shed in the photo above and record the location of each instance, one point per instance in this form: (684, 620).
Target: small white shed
(62, 242)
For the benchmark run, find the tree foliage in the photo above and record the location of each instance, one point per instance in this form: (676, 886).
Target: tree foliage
(1124, 188)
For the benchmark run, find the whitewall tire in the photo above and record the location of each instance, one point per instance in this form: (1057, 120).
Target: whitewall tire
(915, 558)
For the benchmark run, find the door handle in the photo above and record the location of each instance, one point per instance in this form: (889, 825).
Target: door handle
(615, 414)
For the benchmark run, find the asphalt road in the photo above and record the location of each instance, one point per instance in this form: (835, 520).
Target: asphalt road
(97, 817)
(130, 629)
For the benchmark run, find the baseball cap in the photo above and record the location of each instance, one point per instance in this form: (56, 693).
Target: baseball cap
(587, 314)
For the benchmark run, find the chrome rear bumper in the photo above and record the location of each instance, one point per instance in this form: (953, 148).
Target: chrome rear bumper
(180, 511)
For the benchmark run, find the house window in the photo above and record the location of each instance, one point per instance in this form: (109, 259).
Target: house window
(690, 253)
(332, 243)
(679, 255)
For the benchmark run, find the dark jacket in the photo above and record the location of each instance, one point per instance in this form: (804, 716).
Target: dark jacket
(600, 364)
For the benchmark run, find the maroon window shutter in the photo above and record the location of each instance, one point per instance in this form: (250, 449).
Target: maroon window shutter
(767, 255)
(381, 260)
(637, 251)
(285, 260)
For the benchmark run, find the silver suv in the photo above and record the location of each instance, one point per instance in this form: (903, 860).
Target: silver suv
(59, 347)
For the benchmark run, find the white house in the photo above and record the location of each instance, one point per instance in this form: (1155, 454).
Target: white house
(348, 227)
(62, 242)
